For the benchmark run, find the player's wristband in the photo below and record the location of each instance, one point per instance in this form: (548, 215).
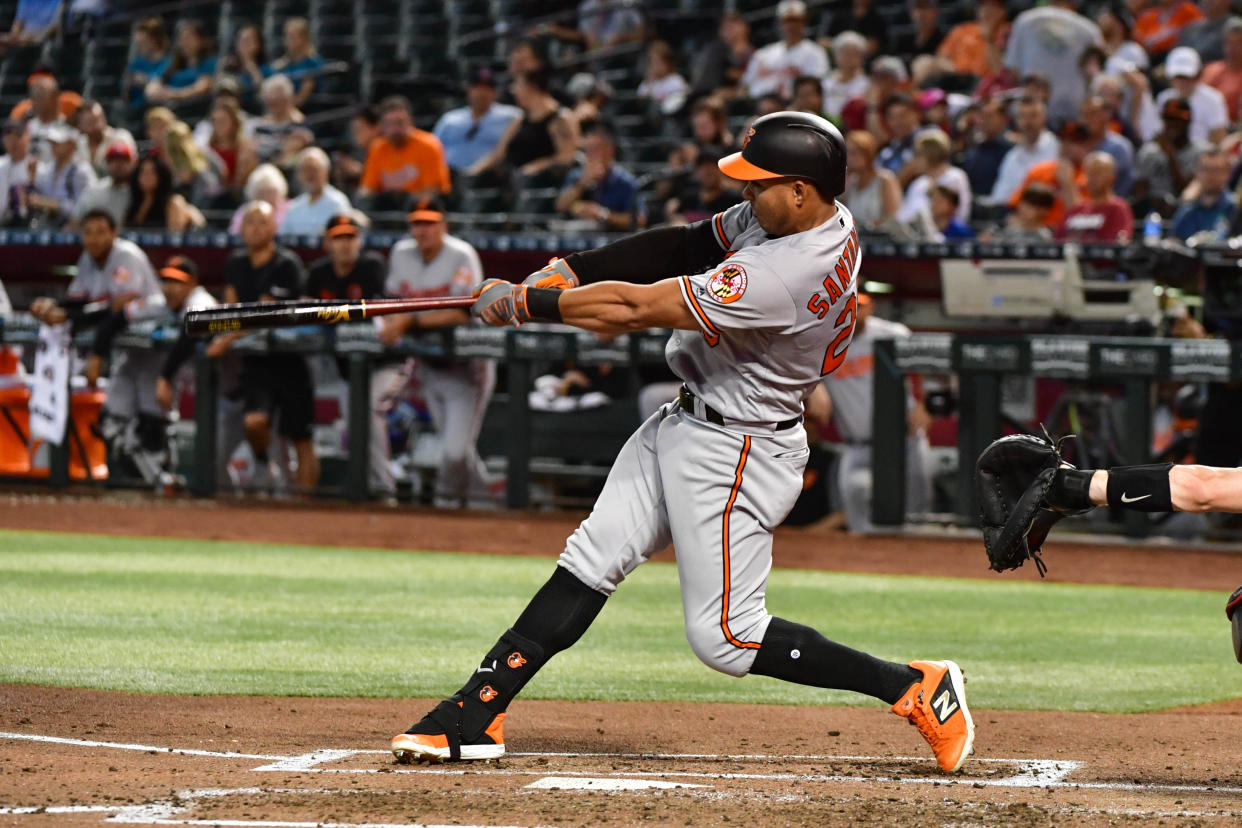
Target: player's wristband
(544, 304)
(1141, 488)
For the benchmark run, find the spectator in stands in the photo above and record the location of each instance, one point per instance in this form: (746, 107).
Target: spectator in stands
(717, 68)
(710, 195)
(154, 201)
(774, 67)
(943, 208)
(808, 95)
(1112, 90)
(662, 85)
(272, 384)
(1121, 53)
(1035, 145)
(44, 110)
(1064, 174)
(1167, 163)
(975, 47)
(194, 175)
(148, 63)
(97, 137)
(932, 151)
(1158, 28)
(472, 131)
(544, 141)
(925, 37)
(589, 95)
(872, 193)
(1225, 75)
(888, 78)
(187, 78)
(347, 165)
(309, 213)
(1097, 117)
(157, 121)
(1050, 39)
(34, 21)
(709, 123)
(405, 159)
(234, 155)
(347, 273)
(113, 192)
(1209, 115)
(281, 121)
(866, 21)
(267, 184)
(1207, 205)
(434, 263)
(901, 119)
(1029, 220)
(933, 106)
(64, 180)
(18, 170)
(1101, 216)
(848, 81)
(602, 24)
(244, 65)
(600, 190)
(1207, 34)
(988, 147)
(300, 63)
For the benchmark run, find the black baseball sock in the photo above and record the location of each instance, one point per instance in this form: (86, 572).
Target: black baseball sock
(793, 652)
(555, 618)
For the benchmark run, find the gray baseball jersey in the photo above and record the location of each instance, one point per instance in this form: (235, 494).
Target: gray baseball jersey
(126, 272)
(456, 394)
(775, 316)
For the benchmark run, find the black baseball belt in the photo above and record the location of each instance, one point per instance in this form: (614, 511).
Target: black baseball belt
(687, 399)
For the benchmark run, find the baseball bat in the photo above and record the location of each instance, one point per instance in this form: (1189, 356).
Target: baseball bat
(250, 316)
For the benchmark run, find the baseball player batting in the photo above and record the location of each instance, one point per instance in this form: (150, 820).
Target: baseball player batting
(767, 310)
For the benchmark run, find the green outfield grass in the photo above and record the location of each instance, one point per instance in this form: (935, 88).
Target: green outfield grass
(204, 617)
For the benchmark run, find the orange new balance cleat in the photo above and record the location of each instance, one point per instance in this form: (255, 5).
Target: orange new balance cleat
(442, 736)
(937, 706)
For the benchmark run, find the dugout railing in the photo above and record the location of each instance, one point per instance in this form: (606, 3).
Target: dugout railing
(1131, 364)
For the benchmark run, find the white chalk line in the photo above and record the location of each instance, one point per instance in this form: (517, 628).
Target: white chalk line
(1033, 773)
(168, 811)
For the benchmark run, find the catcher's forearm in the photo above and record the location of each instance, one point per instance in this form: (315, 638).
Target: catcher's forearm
(659, 253)
(1191, 488)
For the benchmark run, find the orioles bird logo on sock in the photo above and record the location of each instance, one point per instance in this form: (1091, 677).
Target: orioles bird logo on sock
(516, 660)
(487, 693)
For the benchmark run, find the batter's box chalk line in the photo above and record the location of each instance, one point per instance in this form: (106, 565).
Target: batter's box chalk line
(1026, 773)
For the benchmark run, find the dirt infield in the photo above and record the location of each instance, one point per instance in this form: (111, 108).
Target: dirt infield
(77, 757)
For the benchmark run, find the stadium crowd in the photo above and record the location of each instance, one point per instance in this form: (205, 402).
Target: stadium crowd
(991, 120)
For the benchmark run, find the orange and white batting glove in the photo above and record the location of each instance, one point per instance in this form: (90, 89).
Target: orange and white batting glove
(557, 274)
(500, 303)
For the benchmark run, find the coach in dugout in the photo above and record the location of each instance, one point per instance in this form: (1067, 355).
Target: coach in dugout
(348, 273)
(845, 397)
(271, 384)
(117, 271)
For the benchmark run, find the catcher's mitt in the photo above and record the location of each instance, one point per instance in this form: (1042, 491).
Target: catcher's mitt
(1012, 479)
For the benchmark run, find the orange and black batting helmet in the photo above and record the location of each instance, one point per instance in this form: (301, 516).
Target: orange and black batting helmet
(791, 145)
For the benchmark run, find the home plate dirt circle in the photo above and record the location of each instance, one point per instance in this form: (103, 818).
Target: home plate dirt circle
(77, 757)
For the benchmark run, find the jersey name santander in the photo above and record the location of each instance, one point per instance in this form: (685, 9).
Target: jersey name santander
(775, 316)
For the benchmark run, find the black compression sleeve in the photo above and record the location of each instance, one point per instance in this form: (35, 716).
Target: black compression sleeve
(647, 257)
(106, 332)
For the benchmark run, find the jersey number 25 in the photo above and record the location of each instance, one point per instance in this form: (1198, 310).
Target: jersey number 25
(835, 355)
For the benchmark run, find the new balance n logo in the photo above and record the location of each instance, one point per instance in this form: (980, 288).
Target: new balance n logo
(944, 705)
